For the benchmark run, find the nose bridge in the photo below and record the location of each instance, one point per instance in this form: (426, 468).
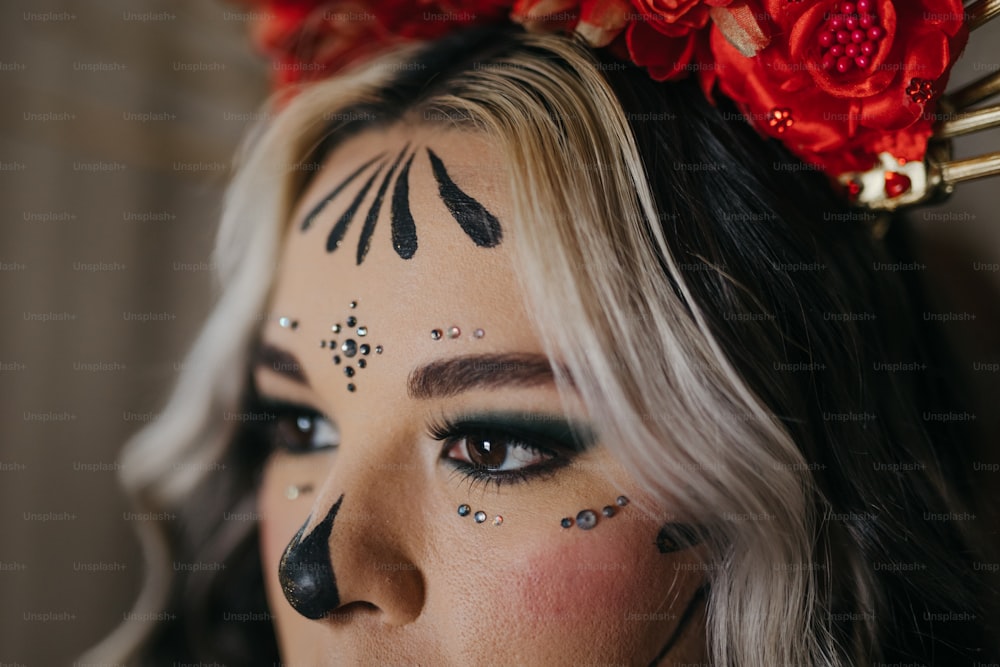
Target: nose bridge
(361, 543)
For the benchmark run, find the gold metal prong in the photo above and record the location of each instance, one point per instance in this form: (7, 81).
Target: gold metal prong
(975, 92)
(956, 171)
(980, 12)
(971, 121)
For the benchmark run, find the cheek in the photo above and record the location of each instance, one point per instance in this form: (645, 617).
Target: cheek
(609, 594)
(565, 584)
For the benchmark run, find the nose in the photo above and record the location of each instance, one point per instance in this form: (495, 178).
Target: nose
(306, 571)
(356, 560)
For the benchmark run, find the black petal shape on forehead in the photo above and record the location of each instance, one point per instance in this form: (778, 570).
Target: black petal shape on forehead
(339, 229)
(479, 224)
(475, 220)
(372, 217)
(306, 572)
(404, 232)
(336, 191)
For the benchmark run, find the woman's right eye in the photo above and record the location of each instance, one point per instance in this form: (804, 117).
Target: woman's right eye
(298, 429)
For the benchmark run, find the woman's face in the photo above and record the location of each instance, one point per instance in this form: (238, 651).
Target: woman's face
(413, 394)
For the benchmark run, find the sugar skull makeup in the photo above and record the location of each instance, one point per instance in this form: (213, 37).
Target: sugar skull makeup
(475, 220)
(454, 460)
(354, 350)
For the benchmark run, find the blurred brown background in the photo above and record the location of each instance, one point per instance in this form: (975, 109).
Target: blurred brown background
(117, 124)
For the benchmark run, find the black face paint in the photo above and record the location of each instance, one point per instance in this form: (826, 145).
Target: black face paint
(676, 537)
(339, 229)
(479, 224)
(684, 620)
(372, 217)
(336, 191)
(306, 572)
(404, 232)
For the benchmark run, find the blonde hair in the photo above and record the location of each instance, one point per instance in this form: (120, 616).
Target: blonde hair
(597, 268)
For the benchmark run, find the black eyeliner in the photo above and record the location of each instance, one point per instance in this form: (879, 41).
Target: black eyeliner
(561, 439)
(567, 434)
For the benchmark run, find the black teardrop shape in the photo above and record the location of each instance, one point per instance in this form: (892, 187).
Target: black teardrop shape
(404, 231)
(306, 572)
(372, 218)
(336, 191)
(339, 229)
(478, 224)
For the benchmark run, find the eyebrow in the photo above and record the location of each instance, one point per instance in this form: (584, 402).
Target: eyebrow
(448, 377)
(437, 379)
(277, 360)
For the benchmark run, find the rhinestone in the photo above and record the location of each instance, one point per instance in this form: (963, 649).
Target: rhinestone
(362, 331)
(351, 387)
(336, 358)
(586, 519)
(436, 334)
(362, 363)
(378, 349)
(478, 333)
(497, 520)
(566, 522)
(454, 332)
(284, 322)
(480, 516)
(351, 321)
(780, 119)
(896, 183)
(353, 304)
(335, 328)
(608, 510)
(348, 371)
(349, 348)
(622, 501)
(463, 510)
(322, 343)
(920, 90)
(365, 348)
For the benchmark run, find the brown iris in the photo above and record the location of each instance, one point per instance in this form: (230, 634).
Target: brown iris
(294, 432)
(486, 452)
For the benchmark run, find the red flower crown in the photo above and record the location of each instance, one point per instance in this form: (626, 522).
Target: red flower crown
(851, 87)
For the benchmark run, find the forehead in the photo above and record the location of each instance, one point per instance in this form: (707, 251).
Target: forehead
(449, 280)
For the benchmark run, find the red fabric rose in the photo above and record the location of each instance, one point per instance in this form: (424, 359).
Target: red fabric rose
(667, 37)
(313, 39)
(842, 81)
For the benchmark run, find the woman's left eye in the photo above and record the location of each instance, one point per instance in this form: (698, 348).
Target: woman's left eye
(496, 453)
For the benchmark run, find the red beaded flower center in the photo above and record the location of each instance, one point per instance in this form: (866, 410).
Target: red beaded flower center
(920, 90)
(780, 119)
(850, 38)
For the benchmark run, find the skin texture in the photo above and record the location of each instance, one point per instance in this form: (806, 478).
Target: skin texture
(417, 583)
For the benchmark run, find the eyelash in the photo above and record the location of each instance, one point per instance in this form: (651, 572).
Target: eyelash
(447, 431)
(265, 430)
(452, 432)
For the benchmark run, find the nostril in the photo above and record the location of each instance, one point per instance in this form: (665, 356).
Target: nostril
(352, 611)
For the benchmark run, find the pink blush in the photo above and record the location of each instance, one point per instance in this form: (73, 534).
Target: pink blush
(579, 580)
